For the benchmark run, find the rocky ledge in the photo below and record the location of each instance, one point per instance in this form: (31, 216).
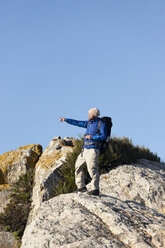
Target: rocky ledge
(80, 221)
(128, 213)
(13, 164)
(46, 173)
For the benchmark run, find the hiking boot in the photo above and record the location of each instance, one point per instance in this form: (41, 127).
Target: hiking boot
(81, 190)
(94, 192)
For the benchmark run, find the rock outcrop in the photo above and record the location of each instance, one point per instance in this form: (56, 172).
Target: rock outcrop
(13, 164)
(46, 174)
(80, 221)
(143, 182)
(128, 213)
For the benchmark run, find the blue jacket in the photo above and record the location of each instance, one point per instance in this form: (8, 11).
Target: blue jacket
(92, 128)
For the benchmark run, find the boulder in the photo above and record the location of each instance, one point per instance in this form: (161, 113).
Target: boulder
(46, 173)
(13, 164)
(80, 221)
(128, 213)
(143, 182)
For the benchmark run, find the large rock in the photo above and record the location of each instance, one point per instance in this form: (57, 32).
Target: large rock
(80, 221)
(143, 182)
(128, 213)
(13, 164)
(46, 174)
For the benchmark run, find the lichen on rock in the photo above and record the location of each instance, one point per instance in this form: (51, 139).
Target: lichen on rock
(46, 173)
(15, 163)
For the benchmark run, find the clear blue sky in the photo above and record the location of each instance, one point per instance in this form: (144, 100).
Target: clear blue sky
(63, 57)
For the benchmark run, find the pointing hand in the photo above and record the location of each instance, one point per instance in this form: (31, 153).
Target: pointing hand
(62, 119)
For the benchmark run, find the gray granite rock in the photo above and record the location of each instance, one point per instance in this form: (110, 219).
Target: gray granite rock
(78, 220)
(46, 173)
(129, 212)
(143, 182)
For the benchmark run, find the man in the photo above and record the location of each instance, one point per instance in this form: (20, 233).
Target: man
(90, 152)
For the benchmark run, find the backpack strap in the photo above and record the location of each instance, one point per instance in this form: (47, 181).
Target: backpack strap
(98, 127)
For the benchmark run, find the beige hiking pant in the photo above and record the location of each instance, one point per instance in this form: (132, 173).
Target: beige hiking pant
(90, 156)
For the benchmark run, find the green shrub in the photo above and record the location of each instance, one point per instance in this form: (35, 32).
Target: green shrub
(16, 213)
(121, 151)
(67, 182)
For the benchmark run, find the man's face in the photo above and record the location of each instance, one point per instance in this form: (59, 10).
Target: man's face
(90, 117)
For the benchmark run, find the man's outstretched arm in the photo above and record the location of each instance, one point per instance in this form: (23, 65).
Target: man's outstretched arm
(74, 122)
